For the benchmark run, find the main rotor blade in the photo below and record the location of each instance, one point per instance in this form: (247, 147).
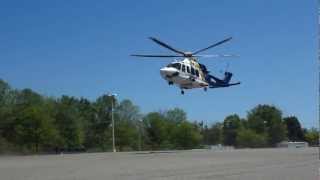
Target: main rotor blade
(215, 55)
(160, 56)
(166, 46)
(213, 45)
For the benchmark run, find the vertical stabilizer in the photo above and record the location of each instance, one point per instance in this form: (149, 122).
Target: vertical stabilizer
(227, 77)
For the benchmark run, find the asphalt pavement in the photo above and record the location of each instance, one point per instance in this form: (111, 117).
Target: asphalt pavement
(245, 164)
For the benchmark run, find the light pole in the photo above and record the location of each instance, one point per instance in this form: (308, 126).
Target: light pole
(113, 138)
(140, 124)
(265, 127)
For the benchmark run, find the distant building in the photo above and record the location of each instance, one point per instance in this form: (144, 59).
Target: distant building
(220, 147)
(289, 144)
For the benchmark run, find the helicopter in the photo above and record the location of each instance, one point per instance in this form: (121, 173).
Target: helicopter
(187, 72)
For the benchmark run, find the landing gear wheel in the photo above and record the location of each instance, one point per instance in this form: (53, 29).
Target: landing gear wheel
(182, 92)
(205, 89)
(170, 83)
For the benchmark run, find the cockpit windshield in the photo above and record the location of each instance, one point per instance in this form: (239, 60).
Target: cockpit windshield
(175, 65)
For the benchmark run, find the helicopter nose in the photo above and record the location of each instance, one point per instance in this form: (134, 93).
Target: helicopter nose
(163, 72)
(167, 71)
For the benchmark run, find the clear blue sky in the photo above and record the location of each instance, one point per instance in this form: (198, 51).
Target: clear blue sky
(81, 48)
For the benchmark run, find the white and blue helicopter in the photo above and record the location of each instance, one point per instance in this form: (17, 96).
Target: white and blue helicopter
(188, 73)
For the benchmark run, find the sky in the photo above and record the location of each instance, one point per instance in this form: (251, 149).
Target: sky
(81, 48)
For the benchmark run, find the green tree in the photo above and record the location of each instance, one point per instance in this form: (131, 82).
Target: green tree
(34, 129)
(68, 123)
(176, 115)
(35, 123)
(186, 136)
(205, 135)
(127, 125)
(126, 135)
(26, 120)
(6, 112)
(249, 138)
(5, 90)
(173, 117)
(215, 134)
(128, 111)
(156, 128)
(88, 117)
(231, 125)
(102, 125)
(312, 137)
(266, 119)
(27, 97)
(294, 130)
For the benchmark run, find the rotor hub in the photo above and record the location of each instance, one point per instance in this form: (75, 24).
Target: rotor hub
(188, 54)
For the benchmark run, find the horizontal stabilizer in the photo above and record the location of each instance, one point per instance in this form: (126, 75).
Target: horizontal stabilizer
(223, 85)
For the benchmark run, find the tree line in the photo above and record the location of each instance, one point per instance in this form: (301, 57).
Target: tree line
(33, 123)
(264, 126)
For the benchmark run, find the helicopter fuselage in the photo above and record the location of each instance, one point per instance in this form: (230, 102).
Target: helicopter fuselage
(186, 74)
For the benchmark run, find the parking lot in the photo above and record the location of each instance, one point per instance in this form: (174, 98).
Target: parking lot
(246, 164)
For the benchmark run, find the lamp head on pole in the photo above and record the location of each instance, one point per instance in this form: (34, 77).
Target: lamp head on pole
(112, 94)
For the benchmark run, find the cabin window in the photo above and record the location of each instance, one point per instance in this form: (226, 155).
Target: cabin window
(188, 69)
(183, 68)
(175, 65)
(197, 73)
(192, 71)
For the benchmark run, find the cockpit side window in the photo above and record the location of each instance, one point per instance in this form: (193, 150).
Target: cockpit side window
(188, 69)
(192, 71)
(175, 65)
(183, 68)
(197, 73)
(178, 66)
